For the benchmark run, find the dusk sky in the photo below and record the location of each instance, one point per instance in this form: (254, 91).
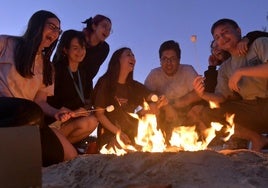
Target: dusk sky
(143, 25)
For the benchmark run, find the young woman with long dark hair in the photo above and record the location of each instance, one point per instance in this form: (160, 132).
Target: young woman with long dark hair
(26, 74)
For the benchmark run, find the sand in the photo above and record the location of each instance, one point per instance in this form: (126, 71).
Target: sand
(227, 168)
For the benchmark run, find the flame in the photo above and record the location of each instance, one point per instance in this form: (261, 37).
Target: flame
(146, 105)
(213, 104)
(113, 150)
(185, 138)
(230, 128)
(116, 150)
(151, 139)
(124, 146)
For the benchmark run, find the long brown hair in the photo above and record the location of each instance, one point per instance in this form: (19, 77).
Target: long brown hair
(111, 76)
(28, 46)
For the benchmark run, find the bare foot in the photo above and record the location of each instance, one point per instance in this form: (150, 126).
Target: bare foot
(259, 143)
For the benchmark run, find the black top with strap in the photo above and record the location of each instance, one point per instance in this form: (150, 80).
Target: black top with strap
(68, 86)
(95, 57)
(125, 98)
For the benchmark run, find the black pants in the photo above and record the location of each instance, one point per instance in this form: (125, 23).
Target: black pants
(22, 112)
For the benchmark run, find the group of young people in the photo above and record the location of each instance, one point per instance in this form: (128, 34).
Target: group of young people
(59, 96)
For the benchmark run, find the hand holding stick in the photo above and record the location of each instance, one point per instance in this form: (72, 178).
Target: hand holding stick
(159, 100)
(57, 124)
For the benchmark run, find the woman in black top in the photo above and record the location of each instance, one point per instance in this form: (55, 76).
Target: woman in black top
(117, 87)
(97, 30)
(70, 91)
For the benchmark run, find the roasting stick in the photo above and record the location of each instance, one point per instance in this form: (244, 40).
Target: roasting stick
(108, 109)
(57, 124)
(154, 98)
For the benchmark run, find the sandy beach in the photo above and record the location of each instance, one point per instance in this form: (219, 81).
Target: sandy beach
(226, 168)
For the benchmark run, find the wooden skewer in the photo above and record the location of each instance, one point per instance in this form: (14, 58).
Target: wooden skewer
(57, 124)
(88, 111)
(108, 109)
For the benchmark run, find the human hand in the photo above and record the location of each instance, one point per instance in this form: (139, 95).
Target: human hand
(199, 85)
(233, 81)
(242, 46)
(154, 107)
(63, 114)
(213, 60)
(163, 101)
(80, 112)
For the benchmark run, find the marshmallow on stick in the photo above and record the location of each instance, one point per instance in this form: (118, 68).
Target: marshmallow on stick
(154, 98)
(109, 108)
(57, 124)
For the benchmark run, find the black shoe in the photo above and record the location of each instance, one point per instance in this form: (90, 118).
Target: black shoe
(82, 146)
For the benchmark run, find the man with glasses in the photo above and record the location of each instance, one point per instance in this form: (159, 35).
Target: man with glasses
(174, 80)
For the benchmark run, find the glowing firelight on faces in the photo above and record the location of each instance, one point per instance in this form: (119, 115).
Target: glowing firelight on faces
(151, 139)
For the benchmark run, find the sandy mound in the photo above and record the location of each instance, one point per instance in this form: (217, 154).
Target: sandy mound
(237, 168)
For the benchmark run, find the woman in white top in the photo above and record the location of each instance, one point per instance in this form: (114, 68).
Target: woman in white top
(26, 72)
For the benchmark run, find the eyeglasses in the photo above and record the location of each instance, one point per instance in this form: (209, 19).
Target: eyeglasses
(170, 59)
(54, 28)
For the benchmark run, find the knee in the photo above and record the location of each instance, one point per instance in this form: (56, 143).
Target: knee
(87, 124)
(69, 153)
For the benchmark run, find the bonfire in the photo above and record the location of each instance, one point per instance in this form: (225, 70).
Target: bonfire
(184, 138)
(186, 161)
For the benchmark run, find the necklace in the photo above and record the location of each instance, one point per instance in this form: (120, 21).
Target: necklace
(79, 89)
